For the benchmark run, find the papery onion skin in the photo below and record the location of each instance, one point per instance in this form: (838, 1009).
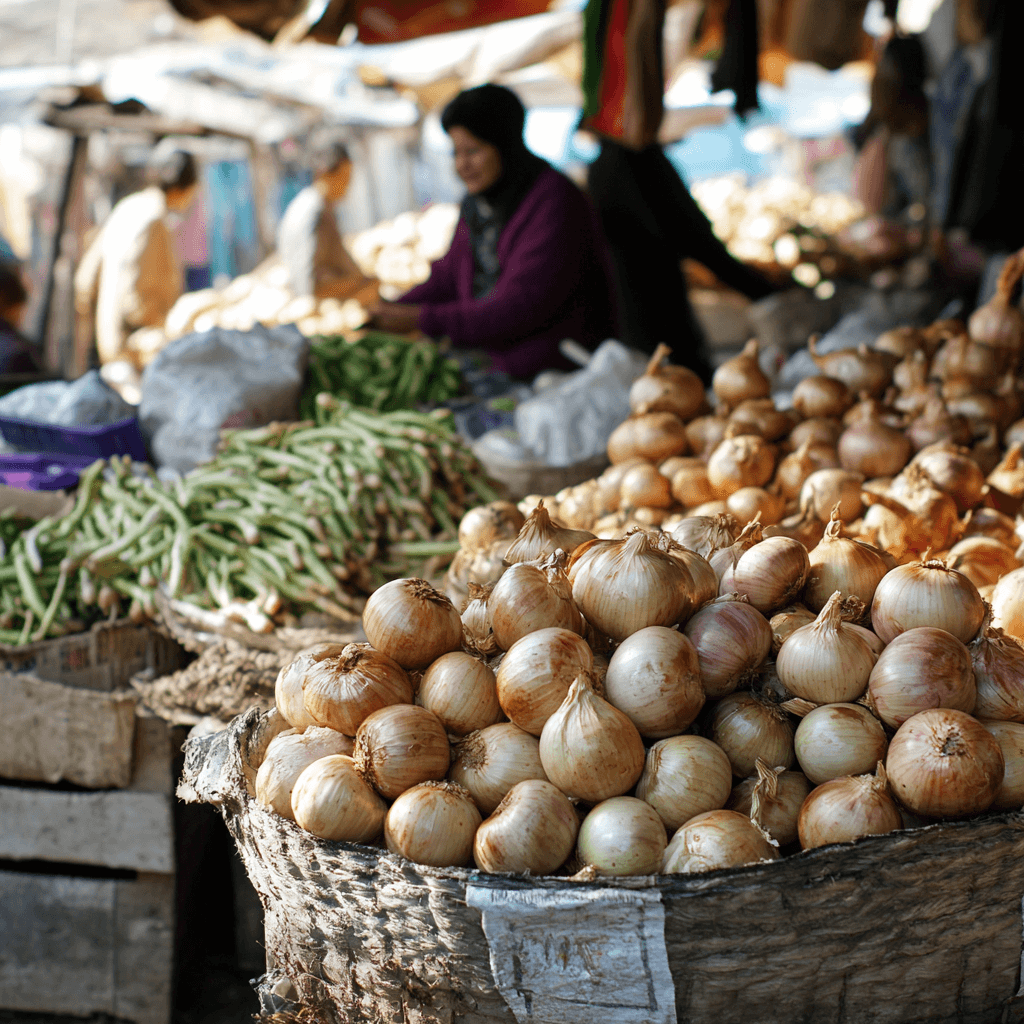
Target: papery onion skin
(926, 594)
(685, 776)
(288, 687)
(717, 839)
(485, 524)
(777, 810)
(667, 388)
(839, 563)
(652, 436)
(433, 823)
(770, 574)
(731, 639)
(943, 763)
(747, 728)
(331, 800)
(540, 537)
(998, 663)
(922, 668)
(622, 836)
(287, 755)
(401, 746)
(1010, 737)
(824, 487)
(529, 597)
(705, 534)
(845, 809)
(491, 761)
(983, 560)
(953, 470)
(462, 692)
(532, 830)
(411, 622)
(839, 739)
(1008, 604)
(742, 461)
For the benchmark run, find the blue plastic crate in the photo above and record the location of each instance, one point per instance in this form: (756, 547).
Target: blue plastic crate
(42, 472)
(94, 442)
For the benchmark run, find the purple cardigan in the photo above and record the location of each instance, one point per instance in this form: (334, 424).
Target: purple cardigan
(554, 284)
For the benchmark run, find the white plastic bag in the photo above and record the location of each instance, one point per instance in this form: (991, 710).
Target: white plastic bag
(87, 401)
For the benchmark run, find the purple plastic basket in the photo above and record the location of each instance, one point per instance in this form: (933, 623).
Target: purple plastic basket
(92, 442)
(31, 472)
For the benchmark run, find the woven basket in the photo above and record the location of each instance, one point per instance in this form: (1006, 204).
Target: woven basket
(917, 926)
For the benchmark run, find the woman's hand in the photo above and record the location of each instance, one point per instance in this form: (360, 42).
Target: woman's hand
(400, 317)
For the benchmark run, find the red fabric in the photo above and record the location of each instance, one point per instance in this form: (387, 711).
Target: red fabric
(392, 21)
(609, 118)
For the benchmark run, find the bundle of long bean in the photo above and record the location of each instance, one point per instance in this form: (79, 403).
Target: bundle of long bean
(384, 372)
(287, 518)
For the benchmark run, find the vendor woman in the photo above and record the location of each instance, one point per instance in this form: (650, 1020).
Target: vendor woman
(527, 266)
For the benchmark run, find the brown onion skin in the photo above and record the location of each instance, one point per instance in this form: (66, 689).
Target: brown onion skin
(411, 622)
(732, 621)
(847, 795)
(777, 817)
(944, 763)
(1010, 737)
(874, 449)
(746, 728)
(819, 396)
(998, 661)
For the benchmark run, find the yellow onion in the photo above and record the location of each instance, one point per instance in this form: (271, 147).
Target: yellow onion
(532, 595)
(690, 485)
(709, 508)
(827, 661)
(755, 502)
(399, 747)
(704, 433)
(477, 634)
(287, 755)
(999, 323)
(663, 387)
(935, 509)
(860, 369)
(803, 526)
(731, 639)
(844, 809)
(654, 678)
(818, 430)
(1008, 604)
(787, 621)
(1010, 737)
(769, 574)
(839, 563)
(590, 750)
(951, 469)
(622, 836)
(288, 687)
(723, 561)
(411, 622)
(705, 582)
(714, 840)
(652, 436)
(483, 525)
(936, 424)
(607, 485)
(943, 763)
(621, 586)
(541, 537)
(331, 800)
(921, 668)
(536, 673)
(747, 727)
(532, 830)
(772, 800)
(685, 776)
(798, 465)
(742, 461)
(983, 560)
(644, 486)
(834, 740)
(998, 662)
(759, 416)
(900, 341)
(460, 690)
(493, 760)
(741, 377)
(873, 449)
(988, 522)
(926, 594)
(824, 488)
(961, 357)
(821, 396)
(433, 823)
(705, 534)
(342, 689)
(481, 567)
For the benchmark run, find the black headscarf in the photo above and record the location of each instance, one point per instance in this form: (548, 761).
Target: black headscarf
(495, 115)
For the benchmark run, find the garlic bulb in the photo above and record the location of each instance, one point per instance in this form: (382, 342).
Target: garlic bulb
(532, 596)
(838, 563)
(705, 534)
(1010, 737)
(532, 830)
(873, 449)
(663, 387)
(772, 800)
(643, 486)
(769, 574)
(998, 663)
(926, 594)
(540, 537)
(433, 823)
(847, 808)
(821, 396)
(834, 740)
(685, 776)
(983, 560)
(731, 639)
(461, 691)
(943, 763)
(477, 634)
(331, 800)
(590, 750)
(288, 754)
(288, 687)
(824, 488)
(745, 460)
(411, 622)
(717, 839)
(747, 727)
(536, 673)
(483, 525)
(921, 668)
(741, 377)
(399, 747)
(493, 760)
(652, 436)
(654, 678)
(826, 662)
(1008, 604)
(342, 689)
(798, 465)
(621, 586)
(622, 836)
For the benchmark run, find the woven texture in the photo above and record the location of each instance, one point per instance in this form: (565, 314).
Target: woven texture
(913, 927)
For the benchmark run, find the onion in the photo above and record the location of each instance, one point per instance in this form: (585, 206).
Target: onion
(622, 836)
(983, 560)
(704, 433)
(772, 800)
(433, 823)
(998, 663)
(705, 534)
(461, 691)
(900, 341)
(827, 661)
(936, 509)
(532, 830)
(331, 800)
(952, 470)
(943, 763)
(654, 678)
(483, 525)
(804, 526)
(873, 449)
(936, 424)
(787, 621)
(653, 436)
(411, 622)
(399, 747)
(540, 537)
(824, 488)
(818, 430)
(287, 755)
(477, 634)
(847, 808)
(1010, 737)
(755, 502)
(685, 776)
(926, 594)
(770, 574)
(717, 839)
(747, 727)
(590, 750)
(759, 416)
(796, 467)
(666, 388)
(483, 568)
(834, 740)
(288, 687)
(608, 483)
(838, 563)
(961, 357)
(741, 377)
(821, 396)
(1008, 604)
(731, 639)
(921, 668)
(532, 595)
(723, 561)
(705, 582)
(742, 461)
(644, 486)
(999, 323)
(1008, 476)
(490, 762)
(860, 369)
(987, 522)
(690, 485)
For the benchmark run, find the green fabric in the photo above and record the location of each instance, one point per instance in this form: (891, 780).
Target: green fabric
(595, 24)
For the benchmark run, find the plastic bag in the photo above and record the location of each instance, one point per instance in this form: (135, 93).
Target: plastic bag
(219, 379)
(87, 401)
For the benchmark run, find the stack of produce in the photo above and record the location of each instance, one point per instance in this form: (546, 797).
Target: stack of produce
(700, 696)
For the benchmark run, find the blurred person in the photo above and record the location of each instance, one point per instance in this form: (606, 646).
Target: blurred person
(308, 241)
(527, 266)
(17, 354)
(131, 274)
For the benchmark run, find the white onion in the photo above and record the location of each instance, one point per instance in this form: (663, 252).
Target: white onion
(287, 755)
(844, 809)
(411, 622)
(493, 760)
(460, 690)
(717, 839)
(433, 823)
(622, 836)
(835, 740)
(685, 776)
(331, 800)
